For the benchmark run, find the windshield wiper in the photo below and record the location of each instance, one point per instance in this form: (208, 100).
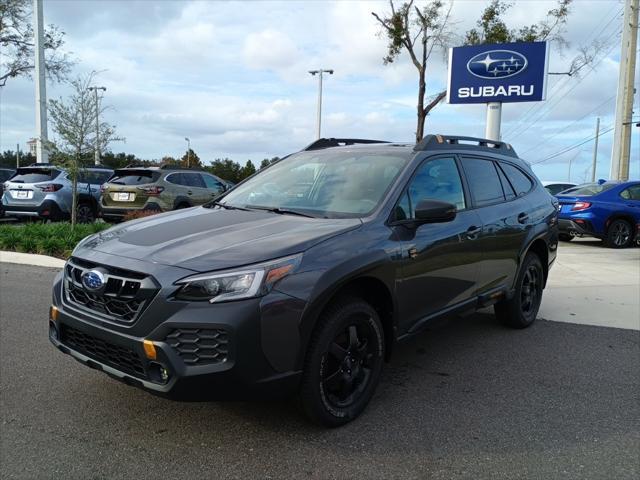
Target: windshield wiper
(281, 211)
(225, 206)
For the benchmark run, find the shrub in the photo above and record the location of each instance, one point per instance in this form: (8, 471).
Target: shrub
(55, 239)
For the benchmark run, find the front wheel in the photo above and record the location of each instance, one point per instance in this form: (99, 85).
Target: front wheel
(343, 363)
(85, 213)
(521, 310)
(619, 234)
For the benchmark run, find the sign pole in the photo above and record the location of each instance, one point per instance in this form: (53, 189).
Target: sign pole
(494, 116)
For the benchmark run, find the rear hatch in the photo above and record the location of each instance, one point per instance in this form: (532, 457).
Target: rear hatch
(130, 188)
(30, 185)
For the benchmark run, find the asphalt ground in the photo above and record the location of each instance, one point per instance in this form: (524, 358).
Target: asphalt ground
(466, 399)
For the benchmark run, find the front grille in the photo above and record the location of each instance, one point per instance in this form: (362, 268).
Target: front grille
(120, 358)
(123, 297)
(200, 345)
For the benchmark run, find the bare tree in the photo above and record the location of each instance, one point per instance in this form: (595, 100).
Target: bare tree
(73, 121)
(420, 32)
(17, 44)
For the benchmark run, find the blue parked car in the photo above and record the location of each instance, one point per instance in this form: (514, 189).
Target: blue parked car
(606, 210)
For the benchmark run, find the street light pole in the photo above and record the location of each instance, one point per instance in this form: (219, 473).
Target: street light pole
(42, 154)
(96, 158)
(188, 152)
(319, 73)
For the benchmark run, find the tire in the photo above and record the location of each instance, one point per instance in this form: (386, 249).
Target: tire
(521, 310)
(565, 237)
(85, 213)
(619, 234)
(343, 363)
(180, 206)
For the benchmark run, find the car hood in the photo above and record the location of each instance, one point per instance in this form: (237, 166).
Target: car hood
(204, 239)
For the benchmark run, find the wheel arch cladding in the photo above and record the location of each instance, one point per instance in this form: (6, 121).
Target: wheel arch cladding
(376, 293)
(539, 247)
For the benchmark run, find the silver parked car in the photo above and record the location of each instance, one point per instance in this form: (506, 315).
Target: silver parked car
(45, 191)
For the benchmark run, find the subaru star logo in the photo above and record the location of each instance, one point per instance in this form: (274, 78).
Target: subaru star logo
(93, 280)
(497, 64)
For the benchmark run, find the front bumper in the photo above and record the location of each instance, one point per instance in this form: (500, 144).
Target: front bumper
(260, 363)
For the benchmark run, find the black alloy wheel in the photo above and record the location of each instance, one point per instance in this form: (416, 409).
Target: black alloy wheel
(344, 362)
(84, 213)
(521, 309)
(619, 234)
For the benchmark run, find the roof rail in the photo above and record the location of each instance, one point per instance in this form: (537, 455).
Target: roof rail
(434, 142)
(178, 167)
(338, 142)
(133, 165)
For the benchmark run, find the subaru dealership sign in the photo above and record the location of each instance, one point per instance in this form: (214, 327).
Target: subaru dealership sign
(509, 72)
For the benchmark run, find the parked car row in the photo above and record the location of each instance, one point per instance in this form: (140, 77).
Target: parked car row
(44, 191)
(606, 210)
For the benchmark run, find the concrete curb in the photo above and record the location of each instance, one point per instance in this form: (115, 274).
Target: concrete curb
(31, 259)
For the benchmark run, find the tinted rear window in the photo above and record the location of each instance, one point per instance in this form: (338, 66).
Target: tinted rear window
(483, 181)
(134, 177)
(94, 178)
(35, 175)
(589, 189)
(520, 182)
(5, 175)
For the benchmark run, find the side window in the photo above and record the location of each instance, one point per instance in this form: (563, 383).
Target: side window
(437, 179)
(631, 193)
(509, 193)
(483, 181)
(193, 180)
(175, 178)
(521, 183)
(211, 182)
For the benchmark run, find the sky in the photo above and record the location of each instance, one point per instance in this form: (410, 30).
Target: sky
(233, 77)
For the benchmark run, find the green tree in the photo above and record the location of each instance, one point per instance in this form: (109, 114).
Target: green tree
(73, 121)
(266, 162)
(248, 170)
(190, 159)
(17, 44)
(120, 160)
(8, 159)
(226, 168)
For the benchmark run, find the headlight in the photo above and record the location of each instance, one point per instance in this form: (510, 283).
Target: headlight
(246, 282)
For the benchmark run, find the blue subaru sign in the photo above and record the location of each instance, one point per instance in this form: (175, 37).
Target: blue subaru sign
(509, 72)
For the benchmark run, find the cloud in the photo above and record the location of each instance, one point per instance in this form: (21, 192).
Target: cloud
(269, 50)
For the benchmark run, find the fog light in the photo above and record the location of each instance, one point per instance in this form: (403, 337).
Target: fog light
(53, 313)
(149, 349)
(158, 372)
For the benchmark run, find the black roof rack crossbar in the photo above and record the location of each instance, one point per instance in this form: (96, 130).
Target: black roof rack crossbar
(338, 142)
(435, 142)
(42, 165)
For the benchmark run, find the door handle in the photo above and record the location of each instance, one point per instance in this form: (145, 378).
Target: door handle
(523, 217)
(472, 232)
(189, 192)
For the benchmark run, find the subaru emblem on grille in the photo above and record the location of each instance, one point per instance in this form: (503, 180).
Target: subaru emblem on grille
(93, 280)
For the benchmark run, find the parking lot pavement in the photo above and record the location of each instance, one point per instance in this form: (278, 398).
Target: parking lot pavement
(466, 399)
(593, 285)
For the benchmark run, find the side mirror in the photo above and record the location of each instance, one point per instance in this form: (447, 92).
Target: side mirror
(435, 211)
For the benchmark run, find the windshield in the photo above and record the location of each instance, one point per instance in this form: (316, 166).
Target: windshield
(324, 184)
(589, 189)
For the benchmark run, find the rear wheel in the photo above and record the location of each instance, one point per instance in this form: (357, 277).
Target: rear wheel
(521, 310)
(619, 234)
(85, 213)
(343, 363)
(180, 206)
